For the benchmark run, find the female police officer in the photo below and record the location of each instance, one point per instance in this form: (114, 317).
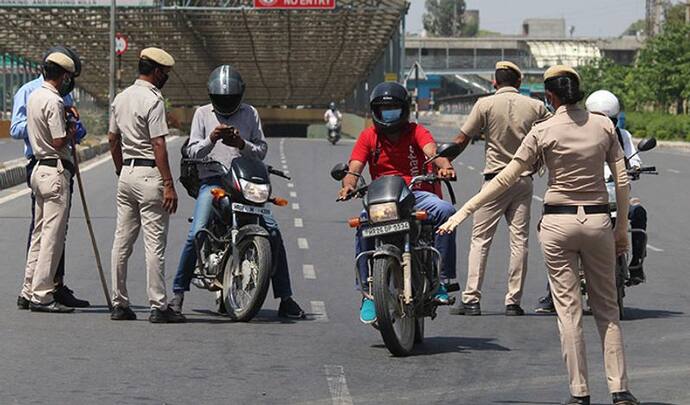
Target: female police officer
(575, 228)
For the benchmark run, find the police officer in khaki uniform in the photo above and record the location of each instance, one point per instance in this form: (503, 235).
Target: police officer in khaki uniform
(576, 226)
(505, 118)
(145, 192)
(50, 137)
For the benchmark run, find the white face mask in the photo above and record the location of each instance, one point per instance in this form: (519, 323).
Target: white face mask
(548, 105)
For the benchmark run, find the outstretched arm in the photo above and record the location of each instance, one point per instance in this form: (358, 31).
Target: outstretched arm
(505, 179)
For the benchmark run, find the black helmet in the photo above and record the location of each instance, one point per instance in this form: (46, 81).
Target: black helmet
(226, 89)
(69, 52)
(332, 105)
(390, 107)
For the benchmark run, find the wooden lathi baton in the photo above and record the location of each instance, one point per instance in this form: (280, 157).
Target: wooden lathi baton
(99, 266)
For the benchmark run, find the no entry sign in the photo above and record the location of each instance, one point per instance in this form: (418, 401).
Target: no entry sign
(295, 4)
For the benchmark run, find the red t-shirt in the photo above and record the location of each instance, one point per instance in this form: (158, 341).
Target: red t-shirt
(403, 158)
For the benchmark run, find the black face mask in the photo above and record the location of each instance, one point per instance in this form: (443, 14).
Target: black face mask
(162, 80)
(67, 86)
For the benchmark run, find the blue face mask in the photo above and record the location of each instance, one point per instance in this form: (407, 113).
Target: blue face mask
(391, 115)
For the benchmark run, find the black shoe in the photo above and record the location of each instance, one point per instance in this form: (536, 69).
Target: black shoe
(65, 296)
(167, 316)
(23, 303)
(545, 305)
(290, 309)
(514, 310)
(54, 308)
(472, 309)
(573, 400)
(624, 398)
(636, 274)
(122, 314)
(457, 309)
(176, 302)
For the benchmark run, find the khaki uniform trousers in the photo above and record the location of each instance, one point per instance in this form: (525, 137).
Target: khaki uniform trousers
(140, 206)
(515, 205)
(51, 185)
(567, 242)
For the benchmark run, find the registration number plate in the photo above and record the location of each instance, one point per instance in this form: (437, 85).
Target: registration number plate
(248, 209)
(386, 229)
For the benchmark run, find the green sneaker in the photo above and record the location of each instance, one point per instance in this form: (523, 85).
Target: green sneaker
(367, 313)
(442, 296)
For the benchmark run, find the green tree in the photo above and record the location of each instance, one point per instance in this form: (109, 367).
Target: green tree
(605, 74)
(443, 18)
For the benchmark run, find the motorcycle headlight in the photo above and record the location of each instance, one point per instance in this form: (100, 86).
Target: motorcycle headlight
(383, 212)
(256, 193)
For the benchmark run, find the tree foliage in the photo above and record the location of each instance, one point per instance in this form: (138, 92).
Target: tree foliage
(444, 18)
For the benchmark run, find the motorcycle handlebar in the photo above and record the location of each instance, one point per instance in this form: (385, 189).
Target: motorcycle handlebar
(278, 173)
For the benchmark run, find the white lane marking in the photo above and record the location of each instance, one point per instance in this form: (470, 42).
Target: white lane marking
(654, 248)
(299, 223)
(285, 167)
(290, 185)
(295, 206)
(318, 311)
(674, 171)
(536, 197)
(293, 194)
(461, 163)
(287, 172)
(470, 167)
(302, 243)
(309, 272)
(337, 385)
(25, 190)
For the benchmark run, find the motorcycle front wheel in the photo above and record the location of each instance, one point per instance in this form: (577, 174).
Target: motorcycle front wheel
(246, 285)
(396, 326)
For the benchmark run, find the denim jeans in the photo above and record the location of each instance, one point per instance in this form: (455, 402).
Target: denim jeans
(60, 273)
(439, 211)
(202, 214)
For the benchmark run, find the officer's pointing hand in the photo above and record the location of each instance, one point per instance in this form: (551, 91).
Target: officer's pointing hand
(453, 222)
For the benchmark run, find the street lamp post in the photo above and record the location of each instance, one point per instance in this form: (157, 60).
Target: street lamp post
(111, 90)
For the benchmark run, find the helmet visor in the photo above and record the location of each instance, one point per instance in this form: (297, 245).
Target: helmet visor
(388, 113)
(226, 104)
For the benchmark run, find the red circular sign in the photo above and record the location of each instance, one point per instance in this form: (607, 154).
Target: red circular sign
(120, 44)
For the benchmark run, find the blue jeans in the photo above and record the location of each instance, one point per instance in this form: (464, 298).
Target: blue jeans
(439, 211)
(202, 214)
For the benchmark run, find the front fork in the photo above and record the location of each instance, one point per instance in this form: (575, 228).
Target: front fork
(407, 271)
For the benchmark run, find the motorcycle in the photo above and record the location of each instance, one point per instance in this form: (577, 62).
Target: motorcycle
(622, 270)
(233, 251)
(404, 267)
(333, 132)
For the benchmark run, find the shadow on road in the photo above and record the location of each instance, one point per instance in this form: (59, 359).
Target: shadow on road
(447, 344)
(265, 316)
(558, 402)
(634, 314)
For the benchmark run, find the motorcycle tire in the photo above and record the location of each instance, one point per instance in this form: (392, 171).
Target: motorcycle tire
(398, 332)
(258, 278)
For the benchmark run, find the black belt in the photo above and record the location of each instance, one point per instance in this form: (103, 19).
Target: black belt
(490, 176)
(53, 163)
(572, 209)
(139, 162)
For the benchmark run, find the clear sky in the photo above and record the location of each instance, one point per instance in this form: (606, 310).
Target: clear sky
(591, 18)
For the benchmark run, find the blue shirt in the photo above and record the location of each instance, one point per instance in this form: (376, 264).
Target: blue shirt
(18, 128)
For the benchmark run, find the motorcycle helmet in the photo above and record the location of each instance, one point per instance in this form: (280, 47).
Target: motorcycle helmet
(69, 52)
(390, 107)
(226, 90)
(604, 102)
(332, 106)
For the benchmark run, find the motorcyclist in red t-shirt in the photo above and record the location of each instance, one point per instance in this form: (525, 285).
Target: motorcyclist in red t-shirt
(396, 147)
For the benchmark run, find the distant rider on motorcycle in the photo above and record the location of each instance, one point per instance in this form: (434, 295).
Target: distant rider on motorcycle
(212, 123)
(396, 147)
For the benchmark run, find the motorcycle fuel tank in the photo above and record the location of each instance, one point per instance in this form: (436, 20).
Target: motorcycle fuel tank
(390, 189)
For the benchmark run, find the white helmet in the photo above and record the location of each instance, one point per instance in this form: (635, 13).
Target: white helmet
(604, 102)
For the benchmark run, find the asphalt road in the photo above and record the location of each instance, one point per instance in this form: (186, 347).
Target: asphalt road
(11, 149)
(331, 358)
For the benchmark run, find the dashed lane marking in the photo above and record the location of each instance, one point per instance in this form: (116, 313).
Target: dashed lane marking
(299, 223)
(302, 243)
(290, 185)
(293, 194)
(337, 385)
(309, 272)
(674, 171)
(470, 167)
(536, 197)
(295, 206)
(318, 312)
(285, 167)
(654, 249)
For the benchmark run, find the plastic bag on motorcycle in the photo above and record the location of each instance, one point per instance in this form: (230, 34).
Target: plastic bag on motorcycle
(189, 173)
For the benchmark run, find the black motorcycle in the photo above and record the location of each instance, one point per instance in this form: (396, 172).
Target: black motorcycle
(404, 267)
(233, 251)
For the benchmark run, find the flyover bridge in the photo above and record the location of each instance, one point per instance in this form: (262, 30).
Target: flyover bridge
(287, 57)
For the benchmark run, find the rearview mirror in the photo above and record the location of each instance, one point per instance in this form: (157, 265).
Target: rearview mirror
(449, 150)
(646, 144)
(339, 171)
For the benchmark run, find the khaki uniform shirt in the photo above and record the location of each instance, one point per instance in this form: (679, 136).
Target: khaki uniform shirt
(45, 122)
(505, 118)
(574, 145)
(138, 114)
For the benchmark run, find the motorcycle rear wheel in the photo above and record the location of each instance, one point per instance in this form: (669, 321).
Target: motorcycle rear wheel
(244, 293)
(397, 328)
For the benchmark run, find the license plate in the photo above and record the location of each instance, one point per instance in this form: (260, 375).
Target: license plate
(386, 229)
(248, 209)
